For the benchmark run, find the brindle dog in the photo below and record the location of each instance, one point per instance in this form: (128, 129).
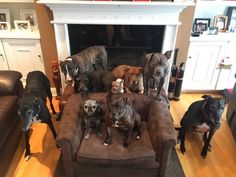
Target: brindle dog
(84, 62)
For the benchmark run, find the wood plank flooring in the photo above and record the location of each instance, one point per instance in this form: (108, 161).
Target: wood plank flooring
(220, 162)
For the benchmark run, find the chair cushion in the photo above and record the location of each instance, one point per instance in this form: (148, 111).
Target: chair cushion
(139, 153)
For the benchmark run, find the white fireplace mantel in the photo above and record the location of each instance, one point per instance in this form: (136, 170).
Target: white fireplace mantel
(116, 13)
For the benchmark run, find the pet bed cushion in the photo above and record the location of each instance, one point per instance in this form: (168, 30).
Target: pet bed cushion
(139, 153)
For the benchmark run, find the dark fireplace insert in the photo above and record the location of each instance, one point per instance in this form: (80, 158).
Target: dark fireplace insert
(125, 44)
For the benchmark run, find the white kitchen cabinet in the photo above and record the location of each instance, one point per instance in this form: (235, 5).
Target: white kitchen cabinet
(3, 59)
(227, 73)
(202, 70)
(201, 67)
(21, 51)
(23, 55)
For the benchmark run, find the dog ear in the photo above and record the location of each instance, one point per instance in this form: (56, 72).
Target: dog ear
(168, 54)
(207, 97)
(140, 69)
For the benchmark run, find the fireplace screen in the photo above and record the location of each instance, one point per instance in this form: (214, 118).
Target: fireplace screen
(125, 44)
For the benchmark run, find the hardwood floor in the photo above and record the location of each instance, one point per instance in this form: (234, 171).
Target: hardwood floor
(220, 162)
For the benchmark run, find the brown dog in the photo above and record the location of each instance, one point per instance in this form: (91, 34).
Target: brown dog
(155, 71)
(121, 115)
(132, 76)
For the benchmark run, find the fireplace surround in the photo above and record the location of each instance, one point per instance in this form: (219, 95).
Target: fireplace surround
(68, 12)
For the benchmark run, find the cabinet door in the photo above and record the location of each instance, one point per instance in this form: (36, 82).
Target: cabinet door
(227, 74)
(201, 72)
(23, 55)
(3, 59)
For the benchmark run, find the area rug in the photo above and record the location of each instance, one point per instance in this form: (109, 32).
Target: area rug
(174, 168)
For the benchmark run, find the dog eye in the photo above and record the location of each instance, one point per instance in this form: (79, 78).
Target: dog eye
(94, 107)
(85, 107)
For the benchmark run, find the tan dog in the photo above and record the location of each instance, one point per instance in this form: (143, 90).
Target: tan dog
(132, 75)
(117, 86)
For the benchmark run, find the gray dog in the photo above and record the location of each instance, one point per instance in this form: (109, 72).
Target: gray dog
(156, 69)
(84, 62)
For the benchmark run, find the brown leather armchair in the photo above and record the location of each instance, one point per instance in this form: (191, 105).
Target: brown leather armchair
(10, 90)
(147, 157)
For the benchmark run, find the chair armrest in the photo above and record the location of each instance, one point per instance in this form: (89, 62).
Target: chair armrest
(10, 83)
(71, 130)
(162, 133)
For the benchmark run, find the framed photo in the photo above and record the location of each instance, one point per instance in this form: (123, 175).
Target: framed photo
(4, 26)
(22, 25)
(29, 15)
(213, 30)
(203, 20)
(5, 16)
(231, 24)
(220, 21)
(200, 27)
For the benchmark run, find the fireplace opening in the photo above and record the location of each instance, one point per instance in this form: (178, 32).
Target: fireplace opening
(125, 44)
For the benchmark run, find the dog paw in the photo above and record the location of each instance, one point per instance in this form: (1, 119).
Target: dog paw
(183, 150)
(125, 144)
(27, 157)
(138, 137)
(99, 134)
(105, 144)
(87, 136)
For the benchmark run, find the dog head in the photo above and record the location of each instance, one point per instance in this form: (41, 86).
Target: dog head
(116, 105)
(82, 83)
(214, 107)
(29, 111)
(118, 86)
(70, 69)
(132, 75)
(89, 107)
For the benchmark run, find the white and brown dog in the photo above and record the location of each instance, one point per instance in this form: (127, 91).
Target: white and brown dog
(117, 86)
(91, 113)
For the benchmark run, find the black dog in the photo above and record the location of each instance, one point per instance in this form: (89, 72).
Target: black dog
(121, 115)
(82, 83)
(33, 105)
(202, 116)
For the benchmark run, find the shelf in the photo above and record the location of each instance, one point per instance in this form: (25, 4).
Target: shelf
(13, 34)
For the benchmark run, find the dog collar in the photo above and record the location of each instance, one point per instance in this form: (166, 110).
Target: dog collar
(204, 113)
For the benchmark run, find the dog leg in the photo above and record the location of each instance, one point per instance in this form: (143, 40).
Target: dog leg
(181, 138)
(50, 100)
(87, 133)
(206, 144)
(127, 138)
(27, 146)
(161, 83)
(205, 140)
(50, 124)
(108, 139)
(139, 127)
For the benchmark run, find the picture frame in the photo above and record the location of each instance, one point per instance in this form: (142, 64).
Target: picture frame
(29, 15)
(202, 20)
(231, 14)
(5, 16)
(4, 26)
(220, 21)
(22, 25)
(200, 27)
(213, 30)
